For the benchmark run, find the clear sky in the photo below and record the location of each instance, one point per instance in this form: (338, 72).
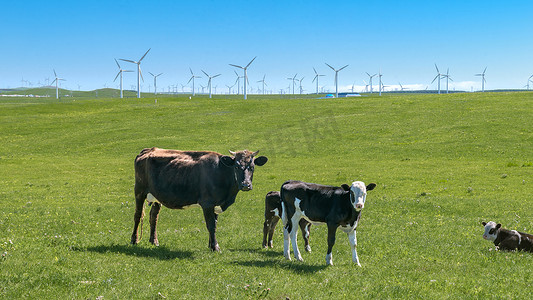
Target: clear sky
(80, 39)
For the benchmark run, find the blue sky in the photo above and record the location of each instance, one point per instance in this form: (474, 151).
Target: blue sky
(80, 39)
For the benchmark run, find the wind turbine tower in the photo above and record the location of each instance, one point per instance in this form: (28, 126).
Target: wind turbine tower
(209, 81)
(293, 80)
(380, 82)
(245, 74)
(439, 76)
(336, 79)
(448, 78)
(316, 78)
(139, 73)
(301, 89)
(482, 79)
(192, 78)
(155, 81)
(370, 80)
(56, 80)
(264, 83)
(120, 71)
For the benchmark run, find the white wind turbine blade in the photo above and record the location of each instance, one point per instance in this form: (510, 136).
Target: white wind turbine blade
(128, 60)
(216, 75)
(342, 68)
(236, 66)
(117, 63)
(204, 73)
(331, 67)
(144, 54)
(117, 76)
(250, 63)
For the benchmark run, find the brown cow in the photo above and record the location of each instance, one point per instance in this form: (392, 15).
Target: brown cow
(180, 179)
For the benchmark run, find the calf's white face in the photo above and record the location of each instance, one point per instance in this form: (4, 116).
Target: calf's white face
(491, 230)
(358, 191)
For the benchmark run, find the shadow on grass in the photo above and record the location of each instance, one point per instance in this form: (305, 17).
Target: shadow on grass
(161, 253)
(275, 259)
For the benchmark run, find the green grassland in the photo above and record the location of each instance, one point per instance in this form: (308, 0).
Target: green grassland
(442, 163)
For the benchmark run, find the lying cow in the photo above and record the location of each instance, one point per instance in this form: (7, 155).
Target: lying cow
(180, 179)
(321, 204)
(505, 239)
(273, 211)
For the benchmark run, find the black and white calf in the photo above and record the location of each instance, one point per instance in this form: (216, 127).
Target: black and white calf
(321, 204)
(273, 212)
(506, 239)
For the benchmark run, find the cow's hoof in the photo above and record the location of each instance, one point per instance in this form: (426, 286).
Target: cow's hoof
(154, 242)
(299, 258)
(216, 248)
(308, 248)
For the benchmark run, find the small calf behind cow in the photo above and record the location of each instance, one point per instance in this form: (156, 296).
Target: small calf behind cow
(321, 204)
(505, 239)
(273, 212)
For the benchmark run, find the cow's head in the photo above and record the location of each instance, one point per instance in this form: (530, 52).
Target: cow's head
(243, 163)
(491, 230)
(358, 193)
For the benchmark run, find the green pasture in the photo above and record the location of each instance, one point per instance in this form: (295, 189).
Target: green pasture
(442, 163)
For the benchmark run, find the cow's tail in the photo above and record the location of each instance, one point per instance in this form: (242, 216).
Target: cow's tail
(284, 218)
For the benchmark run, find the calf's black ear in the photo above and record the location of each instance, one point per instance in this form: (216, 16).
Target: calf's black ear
(370, 186)
(228, 161)
(345, 187)
(498, 226)
(261, 160)
(484, 223)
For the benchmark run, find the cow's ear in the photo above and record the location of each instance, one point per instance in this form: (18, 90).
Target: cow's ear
(484, 223)
(345, 187)
(227, 160)
(498, 226)
(370, 186)
(261, 160)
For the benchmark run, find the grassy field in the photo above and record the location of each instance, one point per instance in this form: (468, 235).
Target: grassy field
(443, 164)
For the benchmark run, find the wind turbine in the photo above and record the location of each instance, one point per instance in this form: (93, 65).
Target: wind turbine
(380, 82)
(447, 76)
(528, 80)
(366, 87)
(370, 80)
(245, 75)
(439, 76)
(264, 83)
(56, 80)
(192, 78)
(139, 73)
(336, 79)
(482, 79)
(301, 89)
(155, 81)
(401, 87)
(293, 80)
(120, 71)
(316, 78)
(209, 81)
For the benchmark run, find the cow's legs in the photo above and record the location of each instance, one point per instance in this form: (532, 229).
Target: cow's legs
(266, 230)
(332, 229)
(211, 222)
(353, 243)
(286, 227)
(304, 226)
(154, 215)
(139, 215)
(293, 235)
(273, 223)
